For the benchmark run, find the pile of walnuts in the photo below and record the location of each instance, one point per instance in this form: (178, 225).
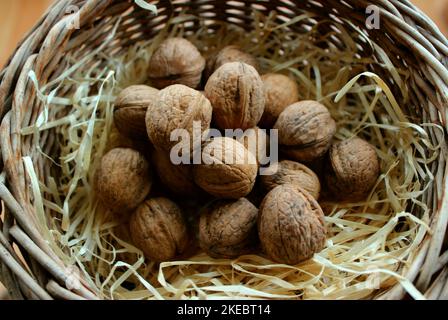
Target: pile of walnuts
(222, 205)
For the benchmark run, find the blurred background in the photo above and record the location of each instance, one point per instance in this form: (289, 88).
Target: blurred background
(19, 16)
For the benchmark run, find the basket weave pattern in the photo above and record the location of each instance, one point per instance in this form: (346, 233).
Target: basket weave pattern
(410, 39)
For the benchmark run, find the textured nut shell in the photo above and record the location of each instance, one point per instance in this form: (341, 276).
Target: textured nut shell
(230, 54)
(176, 61)
(177, 107)
(235, 91)
(291, 225)
(177, 178)
(291, 172)
(228, 228)
(222, 179)
(257, 142)
(353, 169)
(130, 110)
(158, 228)
(305, 130)
(280, 92)
(123, 180)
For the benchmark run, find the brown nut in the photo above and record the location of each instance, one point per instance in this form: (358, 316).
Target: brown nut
(257, 142)
(176, 61)
(158, 228)
(353, 169)
(280, 92)
(291, 172)
(230, 54)
(235, 91)
(305, 130)
(291, 225)
(177, 178)
(130, 110)
(228, 229)
(228, 169)
(123, 180)
(177, 107)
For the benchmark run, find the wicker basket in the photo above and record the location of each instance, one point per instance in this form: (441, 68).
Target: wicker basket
(406, 34)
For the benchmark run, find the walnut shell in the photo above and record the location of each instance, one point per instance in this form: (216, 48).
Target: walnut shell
(123, 180)
(176, 107)
(228, 169)
(305, 130)
(176, 61)
(257, 142)
(228, 228)
(291, 172)
(235, 91)
(130, 110)
(353, 169)
(177, 178)
(280, 92)
(291, 225)
(230, 54)
(158, 228)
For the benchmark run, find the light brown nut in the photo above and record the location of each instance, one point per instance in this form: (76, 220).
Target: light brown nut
(177, 178)
(291, 172)
(228, 169)
(177, 107)
(291, 225)
(305, 130)
(176, 61)
(280, 92)
(123, 180)
(228, 228)
(230, 54)
(352, 169)
(257, 142)
(130, 110)
(158, 228)
(235, 91)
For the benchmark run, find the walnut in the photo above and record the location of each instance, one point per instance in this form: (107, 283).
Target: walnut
(291, 225)
(280, 92)
(130, 110)
(257, 142)
(235, 91)
(123, 180)
(177, 178)
(353, 169)
(158, 228)
(290, 172)
(228, 169)
(305, 130)
(177, 107)
(230, 54)
(176, 61)
(228, 228)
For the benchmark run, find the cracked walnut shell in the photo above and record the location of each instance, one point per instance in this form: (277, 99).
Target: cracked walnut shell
(130, 110)
(235, 91)
(123, 180)
(280, 91)
(291, 225)
(291, 172)
(158, 228)
(228, 169)
(228, 229)
(176, 61)
(353, 169)
(177, 107)
(305, 130)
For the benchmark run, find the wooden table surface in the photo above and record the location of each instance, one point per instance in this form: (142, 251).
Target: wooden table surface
(20, 15)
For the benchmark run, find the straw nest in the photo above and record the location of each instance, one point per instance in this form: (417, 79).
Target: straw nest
(373, 247)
